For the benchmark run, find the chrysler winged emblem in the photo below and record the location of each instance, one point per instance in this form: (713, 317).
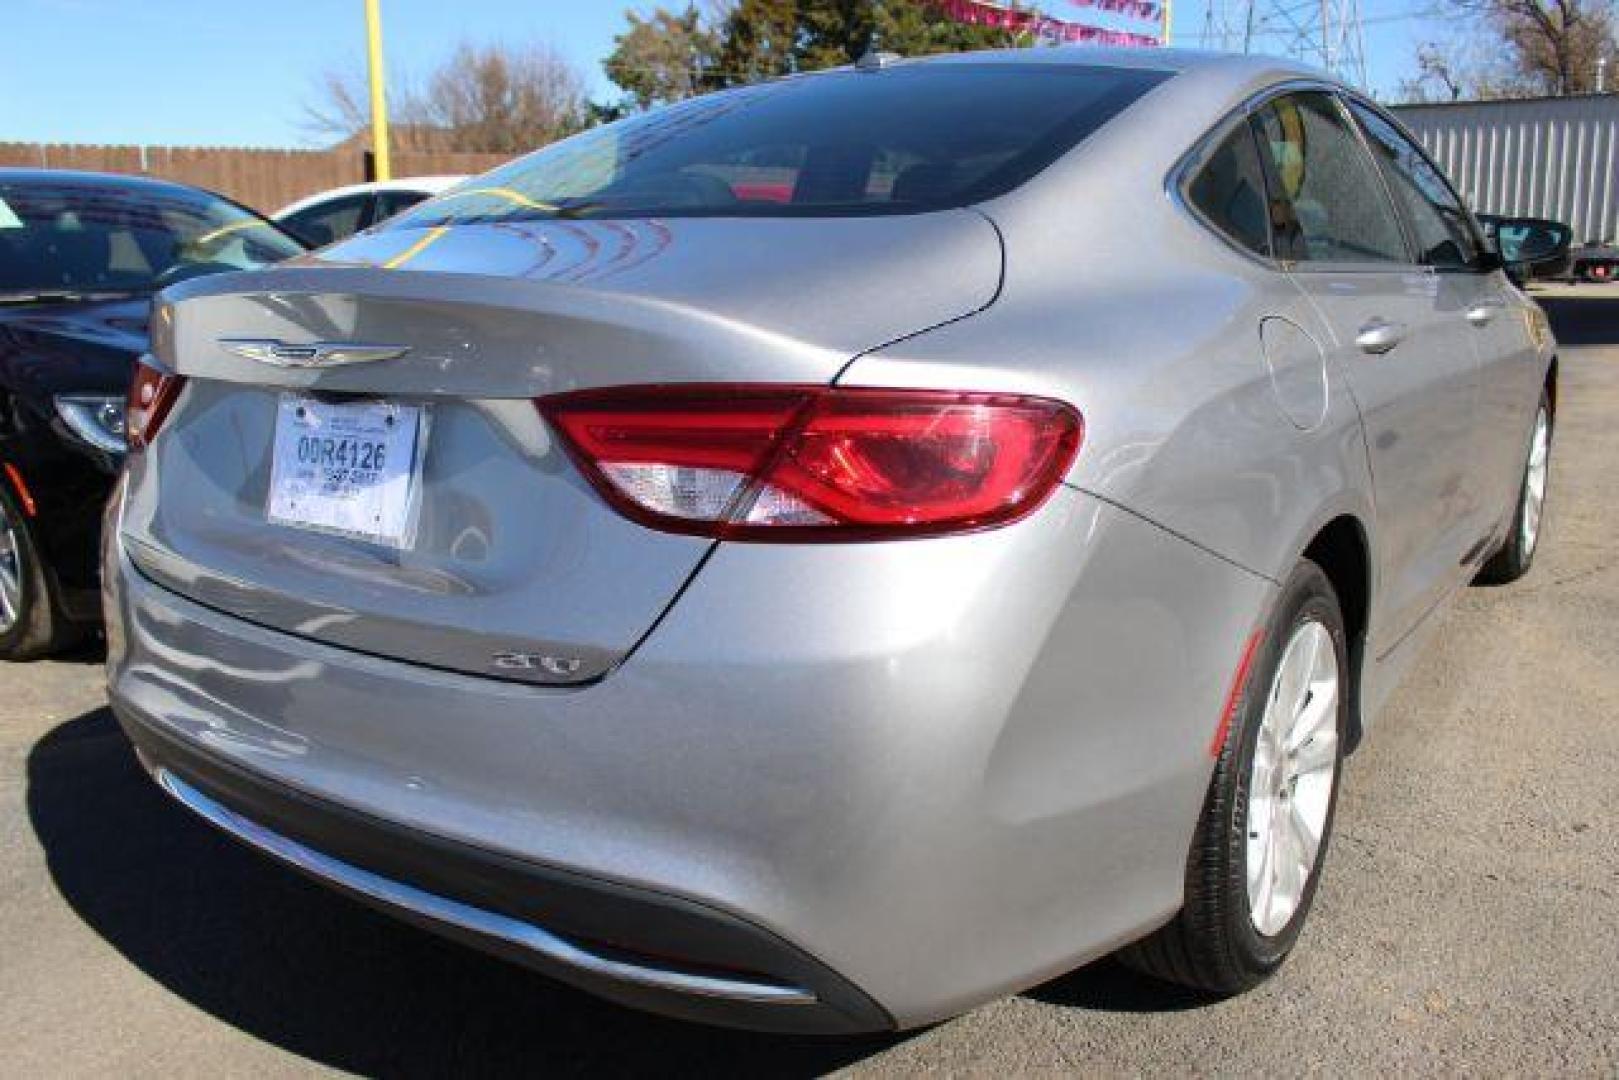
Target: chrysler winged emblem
(311, 354)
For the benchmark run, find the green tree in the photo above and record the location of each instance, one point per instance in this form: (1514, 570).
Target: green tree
(834, 32)
(664, 57)
(759, 40)
(917, 28)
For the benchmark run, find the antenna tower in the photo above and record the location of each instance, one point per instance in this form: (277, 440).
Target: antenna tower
(1326, 33)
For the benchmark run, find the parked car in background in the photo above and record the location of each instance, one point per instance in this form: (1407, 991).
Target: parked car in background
(333, 215)
(1596, 263)
(828, 553)
(80, 256)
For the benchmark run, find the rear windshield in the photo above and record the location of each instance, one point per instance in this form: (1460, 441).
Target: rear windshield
(95, 236)
(900, 140)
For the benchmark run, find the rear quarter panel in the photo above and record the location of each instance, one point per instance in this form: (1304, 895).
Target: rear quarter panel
(1117, 301)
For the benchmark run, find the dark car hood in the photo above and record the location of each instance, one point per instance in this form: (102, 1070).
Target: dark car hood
(71, 348)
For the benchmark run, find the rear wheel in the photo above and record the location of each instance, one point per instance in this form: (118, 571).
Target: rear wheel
(32, 623)
(1260, 844)
(1517, 552)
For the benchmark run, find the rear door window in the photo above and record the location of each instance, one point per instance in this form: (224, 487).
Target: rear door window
(1328, 203)
(1444, 236)
(326, 222)
(390, 203)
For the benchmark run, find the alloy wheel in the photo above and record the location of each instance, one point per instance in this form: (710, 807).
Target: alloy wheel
(1290, 783)
(11, 571)
(1534, 483)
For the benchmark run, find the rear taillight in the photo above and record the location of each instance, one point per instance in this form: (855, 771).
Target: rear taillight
(816, 463)
(151, 395)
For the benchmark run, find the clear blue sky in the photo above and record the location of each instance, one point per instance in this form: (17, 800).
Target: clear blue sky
(234, 72)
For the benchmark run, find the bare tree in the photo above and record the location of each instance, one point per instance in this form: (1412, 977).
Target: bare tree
(1557, 44)
(493, 98)
(1521, 47)
(504, 100)
(339, 107)
(1461, 67)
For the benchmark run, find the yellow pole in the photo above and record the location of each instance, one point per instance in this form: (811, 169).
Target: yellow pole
(379, 100)
(1169, 9)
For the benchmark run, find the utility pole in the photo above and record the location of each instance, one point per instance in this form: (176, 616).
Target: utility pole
(379, 100)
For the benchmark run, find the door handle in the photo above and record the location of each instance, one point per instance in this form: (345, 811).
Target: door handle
(1378, 336)
(1482, 312)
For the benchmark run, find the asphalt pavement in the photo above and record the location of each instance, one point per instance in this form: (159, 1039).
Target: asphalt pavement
(1468, 921)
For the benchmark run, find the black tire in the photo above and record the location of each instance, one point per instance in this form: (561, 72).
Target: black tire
(1212, 945)
(40, 627)
(1514, 557)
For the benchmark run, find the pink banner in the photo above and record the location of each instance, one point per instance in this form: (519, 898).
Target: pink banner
(1014, 20)
(1147, 10)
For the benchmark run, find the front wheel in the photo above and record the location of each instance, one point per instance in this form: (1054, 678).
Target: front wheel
(32, 623)
(1261, 841)
(1517, 552)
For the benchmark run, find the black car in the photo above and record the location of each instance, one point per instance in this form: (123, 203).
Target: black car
(80, 256)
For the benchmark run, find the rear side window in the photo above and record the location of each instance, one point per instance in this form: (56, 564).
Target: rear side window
(390, 203)
(1328, 203)
(904, 139)
(1227, 189)
(326, 222)
(1443, 234)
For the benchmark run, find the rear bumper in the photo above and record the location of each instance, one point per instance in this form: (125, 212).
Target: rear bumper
(566, 925)
(905, 778)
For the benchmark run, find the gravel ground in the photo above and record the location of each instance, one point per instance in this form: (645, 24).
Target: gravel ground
(1469, 920)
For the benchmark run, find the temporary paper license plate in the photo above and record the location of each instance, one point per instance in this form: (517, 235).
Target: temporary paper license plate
(351, 468)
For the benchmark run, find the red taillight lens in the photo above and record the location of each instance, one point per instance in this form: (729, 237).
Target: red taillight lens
(817, 463)
(151, 395)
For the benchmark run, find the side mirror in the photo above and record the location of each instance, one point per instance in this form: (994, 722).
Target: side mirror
(1529, 248)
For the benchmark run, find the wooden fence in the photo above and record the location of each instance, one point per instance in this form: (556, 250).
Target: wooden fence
(263, 179)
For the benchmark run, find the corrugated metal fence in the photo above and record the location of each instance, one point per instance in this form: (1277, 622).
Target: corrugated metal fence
(1545, 157)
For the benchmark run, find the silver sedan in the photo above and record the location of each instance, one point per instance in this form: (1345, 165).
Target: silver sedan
(826, 554)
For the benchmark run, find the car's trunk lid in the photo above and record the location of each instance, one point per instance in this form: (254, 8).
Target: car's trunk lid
(513, 566)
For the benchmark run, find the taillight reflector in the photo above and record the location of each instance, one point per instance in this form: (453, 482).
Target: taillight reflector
(29, 507)
(1239, 683)
(765, 462)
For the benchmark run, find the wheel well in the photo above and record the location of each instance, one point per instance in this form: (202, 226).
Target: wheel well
(1551, 387)
(1340, 549)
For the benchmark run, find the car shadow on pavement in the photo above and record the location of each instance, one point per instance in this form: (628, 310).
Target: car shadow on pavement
(91, 652)
(1109, 986)
(286, 961)
(291, 963)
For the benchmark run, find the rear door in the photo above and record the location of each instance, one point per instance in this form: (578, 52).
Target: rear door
(1447, 241)
(1399, 334)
